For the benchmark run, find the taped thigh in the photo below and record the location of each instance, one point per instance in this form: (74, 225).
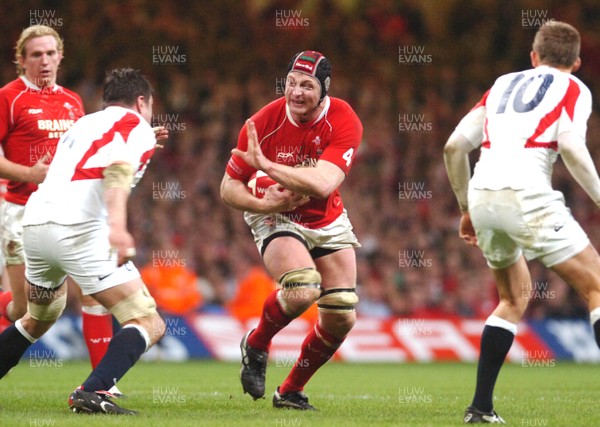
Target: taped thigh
(296, 282)
(300, 278)
(48, 312)
(137, 305)
(338, 300)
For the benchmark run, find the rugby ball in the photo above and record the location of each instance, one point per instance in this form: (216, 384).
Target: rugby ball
(259, 182)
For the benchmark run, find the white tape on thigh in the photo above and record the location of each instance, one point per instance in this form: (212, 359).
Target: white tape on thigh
(49, 312)
(137, 305)
(300, 278)
(295, 281)
(338, 300)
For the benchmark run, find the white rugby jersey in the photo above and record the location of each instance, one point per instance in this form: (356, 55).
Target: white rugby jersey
(517, 123)
(72, 192)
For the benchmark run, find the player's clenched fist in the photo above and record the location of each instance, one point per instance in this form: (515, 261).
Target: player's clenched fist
(37, 172)
(278, 199)
(122, 242)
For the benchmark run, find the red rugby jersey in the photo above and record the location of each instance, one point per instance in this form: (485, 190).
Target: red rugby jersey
(32, 120)
(334, 136)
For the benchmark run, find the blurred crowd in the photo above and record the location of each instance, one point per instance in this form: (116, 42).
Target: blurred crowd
(411, 69)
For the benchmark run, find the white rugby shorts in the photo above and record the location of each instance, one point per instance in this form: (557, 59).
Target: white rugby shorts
(335, 236)
(11, 218)
(532, 222)
(81, 251)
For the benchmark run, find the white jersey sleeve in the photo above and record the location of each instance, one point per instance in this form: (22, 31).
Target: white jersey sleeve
(72, 191)
(472, 125)
(524, 114)
(574, 119)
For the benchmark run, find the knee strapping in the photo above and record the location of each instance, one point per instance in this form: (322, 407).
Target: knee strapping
(48, 312)
(295, 285)
(300, 278)
(137, 305)
(338, 300)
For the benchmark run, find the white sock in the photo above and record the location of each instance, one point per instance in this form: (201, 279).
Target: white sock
(594, 315)
(23, 332)
(501, 323)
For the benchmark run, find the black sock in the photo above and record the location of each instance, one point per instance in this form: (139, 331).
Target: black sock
(597, 332)
(124, 350)
(495, 344)
(12, 347)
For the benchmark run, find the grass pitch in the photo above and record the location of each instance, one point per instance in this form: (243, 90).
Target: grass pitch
(207, 393)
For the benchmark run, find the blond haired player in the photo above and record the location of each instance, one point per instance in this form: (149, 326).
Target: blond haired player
(509, 208)
(34, 114)
(96, 163)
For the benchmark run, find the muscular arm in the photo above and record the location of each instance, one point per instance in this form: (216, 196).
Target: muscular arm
(456, 158)
(580, 164)
(117, 186)
(116, 205)
(319, 181)
(16, 172)
(235, 194)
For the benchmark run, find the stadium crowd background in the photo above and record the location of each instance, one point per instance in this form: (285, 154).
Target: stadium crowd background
(410, 69)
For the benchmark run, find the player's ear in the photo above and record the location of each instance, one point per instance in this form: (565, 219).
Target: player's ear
(535, 58)
(143, 106)
(140, 103)
(576, 65)
(22, 62)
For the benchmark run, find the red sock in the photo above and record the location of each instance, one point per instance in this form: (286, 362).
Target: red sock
(273, 320)
(4, 323)
(97, 333)
(317, 348)
(5, 299)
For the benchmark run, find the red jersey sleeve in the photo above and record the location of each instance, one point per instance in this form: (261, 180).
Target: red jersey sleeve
(236, 167)
(4, 114)
(80, 101)
(346, 137)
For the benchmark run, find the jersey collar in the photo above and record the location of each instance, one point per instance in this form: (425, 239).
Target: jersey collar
(326, 101)
(30, 85)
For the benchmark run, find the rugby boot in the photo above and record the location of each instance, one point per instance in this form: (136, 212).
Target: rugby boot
(292, 400)
(475, 416)
(86, 402)
(253, 369)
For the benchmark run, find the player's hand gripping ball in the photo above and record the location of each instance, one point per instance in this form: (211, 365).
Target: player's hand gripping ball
(259, 182)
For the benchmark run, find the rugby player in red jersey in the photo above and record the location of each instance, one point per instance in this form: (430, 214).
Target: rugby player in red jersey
(305, 141)
(34, 113)
(97, 163)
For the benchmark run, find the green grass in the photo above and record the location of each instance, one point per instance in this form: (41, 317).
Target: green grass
(206, 393)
